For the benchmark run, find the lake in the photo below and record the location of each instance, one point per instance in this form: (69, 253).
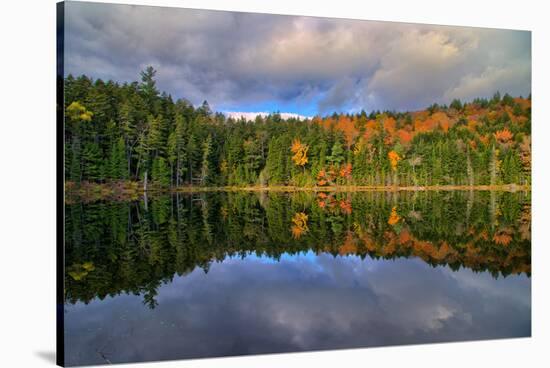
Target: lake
(232, 273)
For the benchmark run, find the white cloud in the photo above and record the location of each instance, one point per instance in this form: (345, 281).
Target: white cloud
(249, 115)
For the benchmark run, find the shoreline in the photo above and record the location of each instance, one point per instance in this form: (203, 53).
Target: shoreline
(136, 188)
(355, 188)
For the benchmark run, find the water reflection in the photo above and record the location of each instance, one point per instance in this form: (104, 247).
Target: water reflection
(236, 273)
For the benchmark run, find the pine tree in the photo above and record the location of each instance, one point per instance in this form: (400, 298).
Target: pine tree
(91, 162)
(148, 88)
(206, 164)
(121, 169)
(160, 173)
(337, 153)
(180, 146)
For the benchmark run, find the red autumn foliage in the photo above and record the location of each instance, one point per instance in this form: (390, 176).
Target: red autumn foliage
(405, 137)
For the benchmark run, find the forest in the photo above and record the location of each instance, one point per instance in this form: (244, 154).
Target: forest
(132, 132)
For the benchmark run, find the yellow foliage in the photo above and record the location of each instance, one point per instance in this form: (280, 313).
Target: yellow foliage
(76, 111)
(394, 159)
(80, 271)
(88, 266)
(300, 152)
(299, 227)
(224, 166)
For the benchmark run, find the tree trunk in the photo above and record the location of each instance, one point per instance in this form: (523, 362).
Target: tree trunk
(171, 175)
(137, 168)
(145, 197)
(469, 169)
(178, 172)
(493, 166)
(145, 182)
(129, 158)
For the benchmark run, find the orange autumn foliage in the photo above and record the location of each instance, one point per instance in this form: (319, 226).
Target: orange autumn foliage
(504, 135)
(394, 159)
(328, 177)
(323, 177)
(345, 171)
(371, 129)
(405, 137)
(484, 139)
(394, 217)
(484, 235)
(442, 120)
(345, 125)
(523, 102)
(404, 237)
(502, 238)
(389, 125)
(345, 205)
(425, 126)
(472, 125)
(349, 246)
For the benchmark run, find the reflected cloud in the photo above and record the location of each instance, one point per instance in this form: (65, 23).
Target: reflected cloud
(303, 302)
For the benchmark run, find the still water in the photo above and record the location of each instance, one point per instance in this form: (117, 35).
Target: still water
(220, 274)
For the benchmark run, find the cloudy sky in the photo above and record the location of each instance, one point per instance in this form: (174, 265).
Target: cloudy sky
(244, 62)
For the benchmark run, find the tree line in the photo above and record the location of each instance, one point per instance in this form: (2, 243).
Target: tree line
(133, 132)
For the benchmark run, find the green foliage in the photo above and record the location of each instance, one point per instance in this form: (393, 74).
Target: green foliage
(337, 153)
(91, 161)
(160, 173)
(456, 104)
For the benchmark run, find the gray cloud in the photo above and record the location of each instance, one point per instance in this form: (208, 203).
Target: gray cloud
(242, 59)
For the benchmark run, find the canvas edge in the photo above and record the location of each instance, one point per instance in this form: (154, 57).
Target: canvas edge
(60, 214)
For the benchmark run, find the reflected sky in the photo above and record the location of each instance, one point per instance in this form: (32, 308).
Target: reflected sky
(298, 303)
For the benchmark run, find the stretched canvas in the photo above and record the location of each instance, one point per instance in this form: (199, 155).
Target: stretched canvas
(237, 183)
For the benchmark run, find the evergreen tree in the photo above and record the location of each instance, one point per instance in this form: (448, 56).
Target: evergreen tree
(206, 163)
